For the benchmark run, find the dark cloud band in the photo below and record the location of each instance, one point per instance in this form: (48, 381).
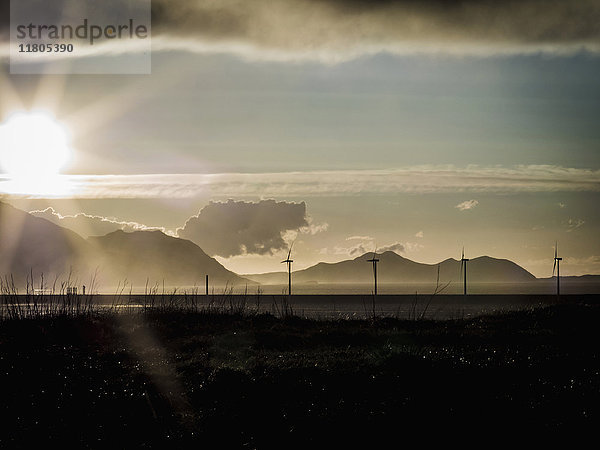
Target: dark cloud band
(307, 25)
(334, 28)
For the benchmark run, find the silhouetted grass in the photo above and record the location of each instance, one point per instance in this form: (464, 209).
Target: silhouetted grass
(170, 377)
(44, 302)
(61, 302)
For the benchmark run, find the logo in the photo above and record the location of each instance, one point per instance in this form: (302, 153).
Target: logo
(80, 36)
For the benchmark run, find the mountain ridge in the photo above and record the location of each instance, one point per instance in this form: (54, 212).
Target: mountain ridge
(394, 268)
(177, 260)
(34, 247)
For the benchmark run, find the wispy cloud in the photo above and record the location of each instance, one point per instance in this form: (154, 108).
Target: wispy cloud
(466, 205)
(337, 30)
(359, 238)
(313, 228)
(290, 236)
(356, 250)
(333, 30)
(92, 225)
(573, 224)
(419, 234)
(397, 247)
(366, 244)
(414, 179)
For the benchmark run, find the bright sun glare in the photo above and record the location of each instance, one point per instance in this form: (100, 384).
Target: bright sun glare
(33, 145)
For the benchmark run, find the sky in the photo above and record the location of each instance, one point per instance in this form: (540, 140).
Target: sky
(341, 126)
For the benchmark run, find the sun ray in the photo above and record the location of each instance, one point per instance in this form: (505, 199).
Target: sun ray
(109, 107)
(10, 99)
(50, 92)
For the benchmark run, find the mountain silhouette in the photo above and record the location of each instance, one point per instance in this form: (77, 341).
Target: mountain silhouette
(32, 246)
(393, 268)
(152, 255)
(36, 246)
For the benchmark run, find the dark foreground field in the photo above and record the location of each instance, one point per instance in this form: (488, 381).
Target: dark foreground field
(178, 380)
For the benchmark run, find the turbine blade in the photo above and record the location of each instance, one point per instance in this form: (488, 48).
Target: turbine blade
(556, 249)
(290, 250)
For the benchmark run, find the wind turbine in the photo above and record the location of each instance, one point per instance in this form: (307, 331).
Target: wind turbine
(374, 260)
(289, 266)
(463, 269)
(556, 268)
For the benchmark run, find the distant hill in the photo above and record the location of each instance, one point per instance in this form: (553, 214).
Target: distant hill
(33, 245)
(394, 268)
(154, 256)
(575, 278)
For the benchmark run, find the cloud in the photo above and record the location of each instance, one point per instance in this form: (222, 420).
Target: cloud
(466, 205)
(573, 224)
(357, 250)
(359, 238)
(290, 236)
(235, 228)
(419, 234)
(313, 228)
(89, 225)
(411, 179)
(340, 29)
(334, 30)
(367, 245)
(396, 247)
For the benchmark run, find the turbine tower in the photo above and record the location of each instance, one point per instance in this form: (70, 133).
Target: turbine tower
(289, 266)
(556, 268)
(374, 260)
(463, 270)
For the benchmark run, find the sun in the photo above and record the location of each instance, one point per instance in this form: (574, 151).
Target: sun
(33, 145)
